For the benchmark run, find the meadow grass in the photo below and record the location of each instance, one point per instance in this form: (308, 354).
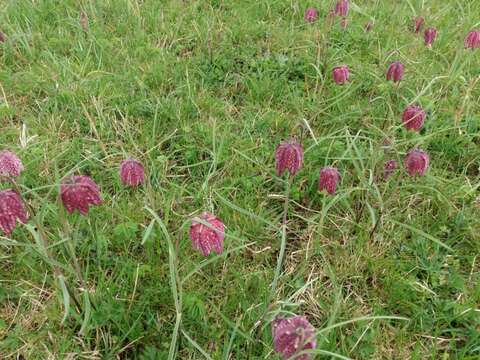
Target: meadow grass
(202, 92)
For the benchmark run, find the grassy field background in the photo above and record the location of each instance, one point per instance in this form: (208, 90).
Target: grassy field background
(202, 92)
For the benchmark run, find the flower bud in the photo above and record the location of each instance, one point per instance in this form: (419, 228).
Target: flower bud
(329, 178)
(395, 71)
(207, 238)
(340, 74)
(416, 162)
(288, 156)
(311, 15)
(413, 117)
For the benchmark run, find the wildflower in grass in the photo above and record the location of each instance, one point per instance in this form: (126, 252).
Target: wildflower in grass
(207, 238)
(341, 9)
(10, 165)
(413, 117)
(11, 210)
(419, 21)
(288, 156)
(293, 335)
(132, 172)
(341, 74)
(311, 14)
(329, 178)
(3, 37)
(369, 26)
(429, 36)
(416, 162)
(389, 167)
(79, 193)
(344, 23)
(472, 41)
(395, 71)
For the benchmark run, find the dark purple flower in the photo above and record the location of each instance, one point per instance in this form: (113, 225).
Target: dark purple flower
(292, 336)
(413, 117)
(11, 210)
(430, 35)
(395, 71)
(341, 9)
(416, 162)
(207, 239)
(311, 14)
(419, 21)
(132, 172)
(79, 192)
(472, 41)
(288, 156)
(329, 178)
(343, 23)
(389, 167)
(10, 164)
(340, 74)
(3, 37)
(368, 26)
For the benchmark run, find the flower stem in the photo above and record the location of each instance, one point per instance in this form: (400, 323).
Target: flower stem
(44, 239)
(283, 244)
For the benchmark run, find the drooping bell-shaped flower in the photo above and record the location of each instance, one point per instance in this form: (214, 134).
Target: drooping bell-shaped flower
(207, 238)
(288, 156)
(395, 71)
(413, 117)
(341, 74)
(389, 168)
(311, 14)
(343, 23)
(10, 165)
(132, 172)
(418, 23)
(472, 41)
(341, 8)
(329, 178)
(3, 37)
(79, 193)
(416, 162)
(429, 36)
(11, 210)
(292, 336)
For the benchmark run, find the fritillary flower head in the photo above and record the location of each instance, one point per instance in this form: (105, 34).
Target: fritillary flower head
(329, 178)
(418, 23)
(341, 74)
(79, 193)
(3, 37)
(132, 172)
(341, 8)
(472, 41)
(11, 211)
(292, 336)
(416, 162)
(413, 117)
(10, 165)
(389, 168)
(288, 156)
(395, 71)
(207, 238)
(311, 14)
(429, 36)
(343, 23)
